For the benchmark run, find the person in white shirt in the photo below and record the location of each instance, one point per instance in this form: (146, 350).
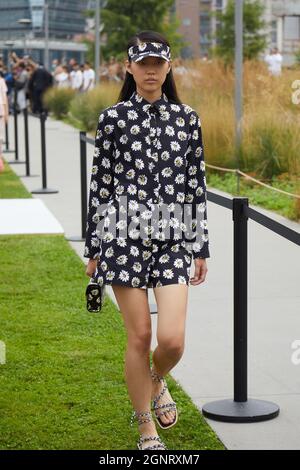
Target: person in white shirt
(274, 61)
(88, 77)
(62, 78)
(76, 77)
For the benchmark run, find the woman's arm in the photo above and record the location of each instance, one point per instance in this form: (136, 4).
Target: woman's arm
(101, 184)
(196, 188)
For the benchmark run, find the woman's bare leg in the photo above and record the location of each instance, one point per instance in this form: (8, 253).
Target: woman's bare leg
(134, 307)
(171, 307)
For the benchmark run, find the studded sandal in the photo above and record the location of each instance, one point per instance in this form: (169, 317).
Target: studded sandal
(169, 406)
(145, 418)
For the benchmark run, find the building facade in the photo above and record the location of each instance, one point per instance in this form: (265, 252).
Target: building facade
(198, 25)
(65, 21)
(283, 27)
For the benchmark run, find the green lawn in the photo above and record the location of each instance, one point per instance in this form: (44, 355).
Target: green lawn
(63, 385)
(10, 184)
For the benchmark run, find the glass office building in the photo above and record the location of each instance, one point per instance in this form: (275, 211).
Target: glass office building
(65, 20)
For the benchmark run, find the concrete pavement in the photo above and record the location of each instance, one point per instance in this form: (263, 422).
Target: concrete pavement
(27, 216)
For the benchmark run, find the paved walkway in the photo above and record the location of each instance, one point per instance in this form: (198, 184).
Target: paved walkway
(206, 369)
(27, 216)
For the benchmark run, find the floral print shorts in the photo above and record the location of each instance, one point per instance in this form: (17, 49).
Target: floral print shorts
(143, 263)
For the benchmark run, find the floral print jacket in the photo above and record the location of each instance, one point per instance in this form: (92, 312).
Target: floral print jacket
(153, 154)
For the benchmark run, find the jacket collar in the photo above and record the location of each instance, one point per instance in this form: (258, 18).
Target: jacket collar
(140, 103)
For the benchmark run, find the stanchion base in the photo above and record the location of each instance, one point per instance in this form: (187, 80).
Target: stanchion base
(15, 161)
(240, 411)
(27, 176)
(44, 191)
(75, 239)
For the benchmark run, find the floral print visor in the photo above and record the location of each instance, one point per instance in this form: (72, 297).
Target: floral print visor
(145, 49)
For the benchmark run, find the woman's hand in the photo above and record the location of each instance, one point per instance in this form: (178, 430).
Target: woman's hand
(200, 271)
(91, 267)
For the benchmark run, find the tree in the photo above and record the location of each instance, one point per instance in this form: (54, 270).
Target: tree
(124, 19)
(254, 39)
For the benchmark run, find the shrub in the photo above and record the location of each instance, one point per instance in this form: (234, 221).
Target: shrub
(58, 100)
(86, 107)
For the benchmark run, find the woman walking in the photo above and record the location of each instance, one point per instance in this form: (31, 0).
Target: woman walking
(148, 160)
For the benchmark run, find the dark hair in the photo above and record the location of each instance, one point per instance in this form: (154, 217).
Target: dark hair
(129, 85)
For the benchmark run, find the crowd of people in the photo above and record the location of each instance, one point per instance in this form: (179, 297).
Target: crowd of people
(24, 81)
(27, 80)
(82, 77)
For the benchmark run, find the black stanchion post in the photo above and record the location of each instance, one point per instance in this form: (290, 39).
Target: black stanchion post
(240, 295)
(44, 189)
(240, 409)
(7, 140)
(16, 133)
(6, 136)
(43, 148)
(16, 136)
(83, 185)
(25, 112)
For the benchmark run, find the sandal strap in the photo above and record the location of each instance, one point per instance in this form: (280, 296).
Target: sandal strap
(150, 438)
(157, 397)
(156, 377)
(158, 414)
(155, 446)
(142, 417)
(160, 445)
(170, 405)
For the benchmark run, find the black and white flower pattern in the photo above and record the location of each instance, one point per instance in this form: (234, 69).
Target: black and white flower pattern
(153, 154)
(145, 49)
